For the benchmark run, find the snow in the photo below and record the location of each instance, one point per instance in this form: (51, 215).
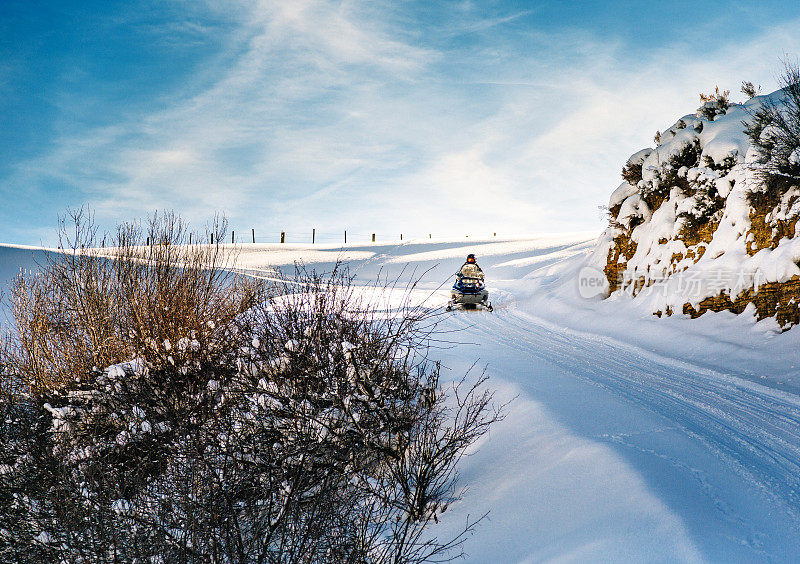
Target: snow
(262, 254)
(628, 437)
(557, 495)
(724, 137)
(621, 193)
(633, 206)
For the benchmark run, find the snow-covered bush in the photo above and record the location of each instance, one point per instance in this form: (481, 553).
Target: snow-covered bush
(206, 417)
(21, 490)
(704, 203)
(664, 172)
(774, 132)
(714, 104)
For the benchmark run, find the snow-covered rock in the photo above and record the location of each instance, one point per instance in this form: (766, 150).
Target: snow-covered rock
(684, 233)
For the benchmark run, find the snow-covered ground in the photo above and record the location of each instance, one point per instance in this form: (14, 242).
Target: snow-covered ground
(629, 437)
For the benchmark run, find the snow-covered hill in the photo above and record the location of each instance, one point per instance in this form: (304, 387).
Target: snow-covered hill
(629, 438)
(693, 227)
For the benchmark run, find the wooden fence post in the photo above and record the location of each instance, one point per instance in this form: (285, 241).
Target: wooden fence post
(345, 236)
(212, 238)
(232, 233)
(313, 236)
(401, 236)
(373, 237)
(283, 236)
(190, 238)
(254, 235)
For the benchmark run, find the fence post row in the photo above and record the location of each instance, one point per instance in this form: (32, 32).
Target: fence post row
(283, 237)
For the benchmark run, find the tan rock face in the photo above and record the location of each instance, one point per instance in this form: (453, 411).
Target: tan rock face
(765, 234)
(773, 299)
(618, 257)
(780, 300)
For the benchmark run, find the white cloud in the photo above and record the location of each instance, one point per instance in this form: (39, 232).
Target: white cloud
(331, 114)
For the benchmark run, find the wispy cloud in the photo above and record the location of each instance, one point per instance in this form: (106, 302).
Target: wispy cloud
(338, 115)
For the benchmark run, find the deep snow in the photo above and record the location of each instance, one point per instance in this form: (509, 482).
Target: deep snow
(629, 437)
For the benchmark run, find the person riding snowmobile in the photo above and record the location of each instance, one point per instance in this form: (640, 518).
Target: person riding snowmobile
(468, 291)
(470, 269)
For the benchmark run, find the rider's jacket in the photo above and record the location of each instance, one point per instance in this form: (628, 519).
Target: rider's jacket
(470, 270)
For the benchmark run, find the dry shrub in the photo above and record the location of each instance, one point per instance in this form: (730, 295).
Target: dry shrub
(714, 104)
(632, 173)
(293, 423)
(749, 89)
(93, 307)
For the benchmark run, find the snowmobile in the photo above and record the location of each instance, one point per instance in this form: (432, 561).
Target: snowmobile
(469, 293)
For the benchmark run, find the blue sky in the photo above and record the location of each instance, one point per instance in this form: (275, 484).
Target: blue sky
(388, 117)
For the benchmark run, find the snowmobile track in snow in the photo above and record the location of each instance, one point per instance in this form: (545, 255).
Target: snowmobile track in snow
(753, 428)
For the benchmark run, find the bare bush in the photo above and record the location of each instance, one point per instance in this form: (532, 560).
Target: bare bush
(632, 173)
(749, 89)
(774, 132)
(97, 307)
(172, 411)
(657, 138)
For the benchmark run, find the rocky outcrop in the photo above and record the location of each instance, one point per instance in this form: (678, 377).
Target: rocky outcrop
(692, 227)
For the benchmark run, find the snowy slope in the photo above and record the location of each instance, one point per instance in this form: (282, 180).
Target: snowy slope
(629, 437)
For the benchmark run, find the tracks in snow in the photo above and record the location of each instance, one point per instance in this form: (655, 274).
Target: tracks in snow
(751, 428)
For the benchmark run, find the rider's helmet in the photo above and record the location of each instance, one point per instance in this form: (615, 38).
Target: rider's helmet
(471, 258)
